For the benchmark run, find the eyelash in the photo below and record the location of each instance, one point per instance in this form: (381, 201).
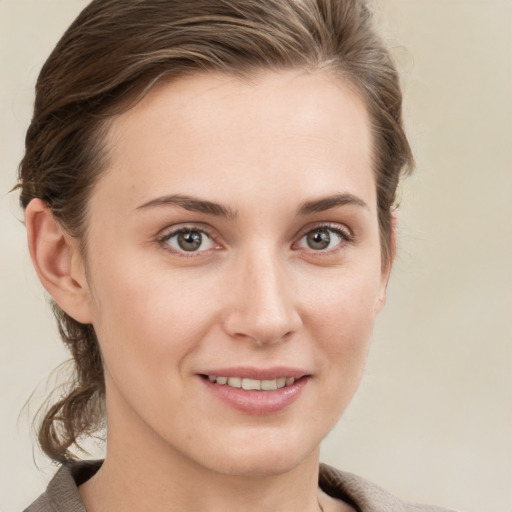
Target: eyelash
(163, 241)
(341, 231)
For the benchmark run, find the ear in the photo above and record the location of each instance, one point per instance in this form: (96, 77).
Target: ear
(386, 270)
(57, 261)
(394, 227)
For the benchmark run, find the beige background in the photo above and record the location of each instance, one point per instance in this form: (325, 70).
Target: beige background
(432, 420)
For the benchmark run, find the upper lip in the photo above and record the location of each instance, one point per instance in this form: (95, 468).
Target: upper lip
(248, 372)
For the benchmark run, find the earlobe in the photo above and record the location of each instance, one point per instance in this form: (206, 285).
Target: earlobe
(57, 261)
(386, 270)
(381, 299)
(394, 227)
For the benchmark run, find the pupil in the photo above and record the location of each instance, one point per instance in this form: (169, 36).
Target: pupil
(319, 239)
(189, 240)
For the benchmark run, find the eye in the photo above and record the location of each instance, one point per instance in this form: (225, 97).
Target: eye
(323, 238)
(188, 240)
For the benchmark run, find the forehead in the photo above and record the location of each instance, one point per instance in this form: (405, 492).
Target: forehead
(277, 128)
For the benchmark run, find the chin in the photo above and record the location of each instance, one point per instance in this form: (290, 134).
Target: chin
(260, 466)
(261, 456)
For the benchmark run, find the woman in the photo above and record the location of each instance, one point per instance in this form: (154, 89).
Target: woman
(208, 190)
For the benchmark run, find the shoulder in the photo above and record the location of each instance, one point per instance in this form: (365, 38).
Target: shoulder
(40, 505)
(364, 495)
(62, 494)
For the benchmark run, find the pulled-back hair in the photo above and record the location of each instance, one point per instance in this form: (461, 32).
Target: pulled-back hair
(114, 52)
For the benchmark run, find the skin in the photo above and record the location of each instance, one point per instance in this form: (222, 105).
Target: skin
(255, 294)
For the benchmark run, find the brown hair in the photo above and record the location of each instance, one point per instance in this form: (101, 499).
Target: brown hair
(113, 54)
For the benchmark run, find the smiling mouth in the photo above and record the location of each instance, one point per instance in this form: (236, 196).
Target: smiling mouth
(252, 384)
(239, 388)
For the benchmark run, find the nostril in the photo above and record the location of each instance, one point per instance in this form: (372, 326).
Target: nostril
(264, 317)
(269, 340)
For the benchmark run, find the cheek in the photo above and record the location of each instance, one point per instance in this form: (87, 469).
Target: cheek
(143, 314)
(342, 317)
(343, 302)
(347, 336)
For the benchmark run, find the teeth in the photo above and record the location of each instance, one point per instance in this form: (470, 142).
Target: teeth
(253, 384)
(235, 382)
(268, 385)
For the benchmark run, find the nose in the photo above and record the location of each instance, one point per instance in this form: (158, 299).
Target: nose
(262, 306)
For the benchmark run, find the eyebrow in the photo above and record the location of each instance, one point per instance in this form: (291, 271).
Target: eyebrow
(210, 208)
(326, 203)
(192, 204)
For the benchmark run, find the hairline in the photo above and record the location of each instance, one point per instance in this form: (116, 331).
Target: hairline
(102, 142)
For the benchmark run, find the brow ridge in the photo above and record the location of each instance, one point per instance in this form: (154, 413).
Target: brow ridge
(192, 204)
(329, 202)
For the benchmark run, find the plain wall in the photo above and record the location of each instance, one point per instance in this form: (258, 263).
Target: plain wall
(432, 420)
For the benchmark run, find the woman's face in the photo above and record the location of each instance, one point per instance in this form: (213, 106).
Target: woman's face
(234, 236)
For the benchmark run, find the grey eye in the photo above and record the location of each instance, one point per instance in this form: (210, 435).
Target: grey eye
(318, 239)
(190, 240)
(322, 238)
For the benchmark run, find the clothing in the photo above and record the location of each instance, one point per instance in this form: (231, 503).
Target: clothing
(62, 492)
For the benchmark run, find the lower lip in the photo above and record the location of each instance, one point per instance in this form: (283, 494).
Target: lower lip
(257, 402)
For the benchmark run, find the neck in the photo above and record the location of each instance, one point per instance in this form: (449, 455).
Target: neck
(142, 472)
(131, 484)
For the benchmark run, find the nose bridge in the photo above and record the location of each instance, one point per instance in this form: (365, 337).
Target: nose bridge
(263, 308)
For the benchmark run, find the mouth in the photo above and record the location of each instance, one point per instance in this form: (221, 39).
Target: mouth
(249, 384)
(256, 392)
